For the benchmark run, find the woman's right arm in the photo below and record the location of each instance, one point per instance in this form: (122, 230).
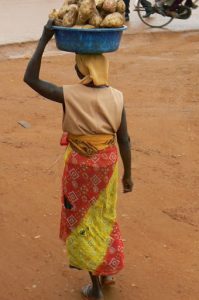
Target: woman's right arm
(31, 77)
(125, 152)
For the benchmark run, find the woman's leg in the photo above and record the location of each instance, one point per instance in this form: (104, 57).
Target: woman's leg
(127, 11)
(93, 291)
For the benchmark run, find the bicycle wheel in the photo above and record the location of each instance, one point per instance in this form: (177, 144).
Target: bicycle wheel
(155, 20)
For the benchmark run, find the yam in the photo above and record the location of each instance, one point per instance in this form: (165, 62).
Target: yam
(113, 20)
(120, 6)
(86, 10)
(70, 17)
(109, 6)
(96, 19)
(65, 7)
(63, 10)
(89, 13)
(103, 13)
(88, 26)
(99, 3)
(78, 26)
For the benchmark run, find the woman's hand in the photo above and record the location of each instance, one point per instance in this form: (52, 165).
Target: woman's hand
(127, 184)
(48, 31)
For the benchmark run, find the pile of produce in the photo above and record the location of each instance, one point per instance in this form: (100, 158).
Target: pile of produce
(89, 13)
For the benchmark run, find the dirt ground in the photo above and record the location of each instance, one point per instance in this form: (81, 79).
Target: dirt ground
(158, 74)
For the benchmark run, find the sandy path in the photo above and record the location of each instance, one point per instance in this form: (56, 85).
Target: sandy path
(158, 74)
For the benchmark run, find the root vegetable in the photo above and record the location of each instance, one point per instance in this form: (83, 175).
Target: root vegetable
(92, 13)
(99, 3)
(70, 17)
(113, 20)
(86, 9)
(63, 10)
(96, 19)
(66, 7)
(88, 26)
(120, 6)
(103, 13)
(109, 6)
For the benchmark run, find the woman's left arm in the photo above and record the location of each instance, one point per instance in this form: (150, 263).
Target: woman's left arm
(125, 152)
(31, 77)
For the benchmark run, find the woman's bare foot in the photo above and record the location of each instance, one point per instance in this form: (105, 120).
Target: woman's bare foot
(107, 280)
(90, 293)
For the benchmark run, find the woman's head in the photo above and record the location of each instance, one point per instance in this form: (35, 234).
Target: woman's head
(92, 68)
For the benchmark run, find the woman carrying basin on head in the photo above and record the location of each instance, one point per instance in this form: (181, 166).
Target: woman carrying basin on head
(94, 116)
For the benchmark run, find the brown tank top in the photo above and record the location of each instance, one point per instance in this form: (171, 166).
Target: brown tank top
(91, 110)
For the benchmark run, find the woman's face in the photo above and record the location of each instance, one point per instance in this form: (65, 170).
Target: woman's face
(79, 74)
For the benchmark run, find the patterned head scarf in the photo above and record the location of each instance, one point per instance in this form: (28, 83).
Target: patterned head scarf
(94, 67)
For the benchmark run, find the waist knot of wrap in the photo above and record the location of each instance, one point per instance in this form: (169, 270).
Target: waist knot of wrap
(88, 145)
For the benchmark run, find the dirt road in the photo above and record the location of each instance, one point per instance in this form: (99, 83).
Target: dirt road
(158, 74)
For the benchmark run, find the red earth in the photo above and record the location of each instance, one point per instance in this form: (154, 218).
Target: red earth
(158, 74)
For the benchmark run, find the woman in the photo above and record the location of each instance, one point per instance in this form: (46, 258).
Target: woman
(93, 116)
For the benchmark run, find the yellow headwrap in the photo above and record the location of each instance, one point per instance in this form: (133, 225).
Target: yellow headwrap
(94, 67)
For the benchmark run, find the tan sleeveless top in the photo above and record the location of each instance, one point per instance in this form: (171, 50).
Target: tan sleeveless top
(91, 110)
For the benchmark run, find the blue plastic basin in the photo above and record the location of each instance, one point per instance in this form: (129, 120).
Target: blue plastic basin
(97, 40)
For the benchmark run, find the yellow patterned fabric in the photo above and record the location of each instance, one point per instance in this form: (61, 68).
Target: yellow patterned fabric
(87, 244)
(90, 144)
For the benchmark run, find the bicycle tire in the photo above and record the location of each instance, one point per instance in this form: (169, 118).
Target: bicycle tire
(155, 20)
